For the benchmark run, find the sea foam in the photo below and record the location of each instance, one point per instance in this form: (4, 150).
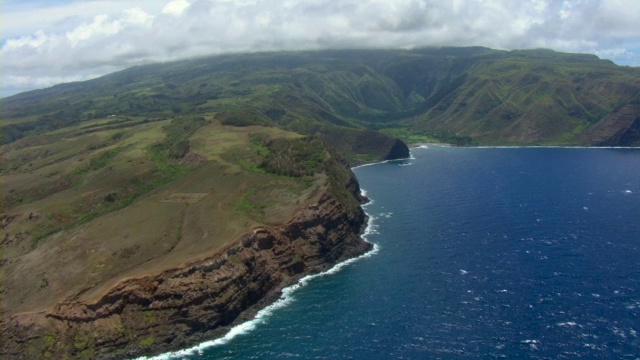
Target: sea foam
(548, 147)
(384, 162)
(285, 299)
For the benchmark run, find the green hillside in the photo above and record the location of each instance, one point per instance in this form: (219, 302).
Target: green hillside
(452, 94)
(292, 91)
(94, 204)
(534, 97)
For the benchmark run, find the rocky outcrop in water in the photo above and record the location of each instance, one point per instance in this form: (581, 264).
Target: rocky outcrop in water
(399, 150)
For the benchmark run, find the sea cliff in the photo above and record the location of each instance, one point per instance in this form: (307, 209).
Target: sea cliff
(199, 301)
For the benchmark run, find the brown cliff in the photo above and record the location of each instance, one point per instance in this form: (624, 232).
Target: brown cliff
(184, 262)
(620, 127)
(183, 306)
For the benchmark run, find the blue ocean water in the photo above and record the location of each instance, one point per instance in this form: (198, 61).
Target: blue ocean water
(481, 253)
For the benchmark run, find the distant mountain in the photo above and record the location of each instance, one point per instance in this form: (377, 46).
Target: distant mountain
(460, 95)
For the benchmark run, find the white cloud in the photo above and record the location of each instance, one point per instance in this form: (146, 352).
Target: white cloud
(94, 37)
(175, 7)
(100, 26)
(19, 18)
(137, 16)
(565, 11)
(44, 81)
(28, 41)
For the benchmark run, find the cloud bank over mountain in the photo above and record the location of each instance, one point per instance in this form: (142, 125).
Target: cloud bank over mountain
(45, 43)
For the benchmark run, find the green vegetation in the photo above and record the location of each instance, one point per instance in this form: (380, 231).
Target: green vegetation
(148, 341)
(176, 143)
(295, 161)
(96, 163)
(293, 157)
(251, 204)
(410, 136)
(463, 95)
(149, 316)
(166, 157)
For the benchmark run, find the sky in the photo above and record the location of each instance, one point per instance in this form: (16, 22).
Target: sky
(46, 42)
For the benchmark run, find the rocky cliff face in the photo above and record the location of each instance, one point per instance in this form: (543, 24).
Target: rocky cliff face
(183, 306)
(399, 150)
(620, 127)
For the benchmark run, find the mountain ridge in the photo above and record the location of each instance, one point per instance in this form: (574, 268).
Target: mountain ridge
(502, 97)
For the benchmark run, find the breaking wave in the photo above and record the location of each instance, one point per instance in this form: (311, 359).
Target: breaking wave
(285, 299)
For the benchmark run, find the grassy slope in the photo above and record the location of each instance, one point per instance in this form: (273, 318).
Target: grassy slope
(81, 211)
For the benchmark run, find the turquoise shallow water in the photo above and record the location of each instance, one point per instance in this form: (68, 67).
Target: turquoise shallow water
(481, 253)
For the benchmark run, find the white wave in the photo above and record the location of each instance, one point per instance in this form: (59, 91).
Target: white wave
(371, 229)
(382, 162)
(285, 299)
(533, 344)
(633, 306)
(567, 324)
(364, 165)
(628, 191)
(548, 147)
(241, 329)
(369, 202)
(372, 163)
(619, 332)
(463, 272)
(430, 145)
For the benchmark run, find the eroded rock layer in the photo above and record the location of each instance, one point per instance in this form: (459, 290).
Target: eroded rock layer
(183, 306)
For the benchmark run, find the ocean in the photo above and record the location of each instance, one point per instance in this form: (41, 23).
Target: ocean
(480, 253)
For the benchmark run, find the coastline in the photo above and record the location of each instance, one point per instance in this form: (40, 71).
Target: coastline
(252, 317)
(526, 343)
(265, 308)
(427, 145)
(216, 297)
(221, 297)
(213, 297)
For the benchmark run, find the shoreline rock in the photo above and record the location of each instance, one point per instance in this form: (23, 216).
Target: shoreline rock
(182, 307)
